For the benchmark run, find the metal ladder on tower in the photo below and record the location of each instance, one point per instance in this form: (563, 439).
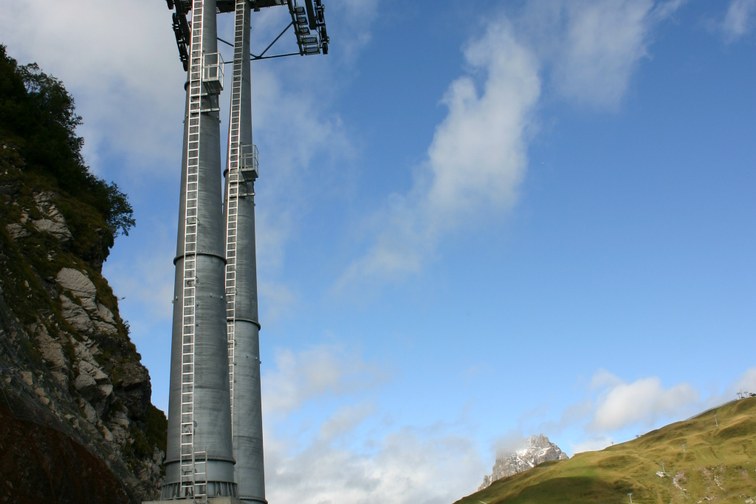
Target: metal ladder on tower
(190, 485)
(232, 188)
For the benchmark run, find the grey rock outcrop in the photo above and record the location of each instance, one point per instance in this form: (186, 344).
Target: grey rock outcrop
(80, 306)
(52, 220)
(66, 361)
(537, 451)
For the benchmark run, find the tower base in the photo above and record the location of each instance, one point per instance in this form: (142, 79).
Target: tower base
(211, 500)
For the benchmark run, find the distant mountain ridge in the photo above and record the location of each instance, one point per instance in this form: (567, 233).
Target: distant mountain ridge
(706, 458)
(539, 449)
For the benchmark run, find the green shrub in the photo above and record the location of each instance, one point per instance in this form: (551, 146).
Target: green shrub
(38, 120)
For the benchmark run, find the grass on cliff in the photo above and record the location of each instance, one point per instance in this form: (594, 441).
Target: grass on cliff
(708, 458)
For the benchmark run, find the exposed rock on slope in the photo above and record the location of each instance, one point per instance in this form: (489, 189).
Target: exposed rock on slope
(76, 422)
(538, 450)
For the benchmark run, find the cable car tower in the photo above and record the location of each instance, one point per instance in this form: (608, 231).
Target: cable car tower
(215, 437)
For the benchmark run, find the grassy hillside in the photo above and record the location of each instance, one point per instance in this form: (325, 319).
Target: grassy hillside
(708, 458)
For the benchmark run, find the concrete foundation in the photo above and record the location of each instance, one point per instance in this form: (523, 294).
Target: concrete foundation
(212, 500)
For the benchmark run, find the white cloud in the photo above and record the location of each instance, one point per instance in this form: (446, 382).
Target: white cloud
(604, 379)
(478, 155)
(746, 383)
(144, 284)
(406, 466)
(296, 130)
(475, 161)
(353, 25)
(292, 124)
(592, 444)
(601, 45)
(353, 453)
(126, 81)
(344, 421)
(510, 443)
(276, 300)
(318, 371)
(273, 229)
(616, 410)
(641, 402)
(739, 18)
(128, 86)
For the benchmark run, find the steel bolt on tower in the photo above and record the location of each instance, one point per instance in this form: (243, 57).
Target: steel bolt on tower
(214, 450)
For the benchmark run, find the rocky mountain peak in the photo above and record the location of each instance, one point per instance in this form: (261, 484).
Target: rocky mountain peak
(538, 449)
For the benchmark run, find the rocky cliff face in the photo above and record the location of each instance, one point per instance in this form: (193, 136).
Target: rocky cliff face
(538, 450)
(76, 420)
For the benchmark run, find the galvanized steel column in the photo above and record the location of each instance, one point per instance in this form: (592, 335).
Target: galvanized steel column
(244, 324)
(210, 392)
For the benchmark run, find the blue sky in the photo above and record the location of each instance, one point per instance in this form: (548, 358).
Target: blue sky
(478, 221)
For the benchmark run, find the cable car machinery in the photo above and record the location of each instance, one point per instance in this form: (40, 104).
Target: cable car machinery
(308, 22)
